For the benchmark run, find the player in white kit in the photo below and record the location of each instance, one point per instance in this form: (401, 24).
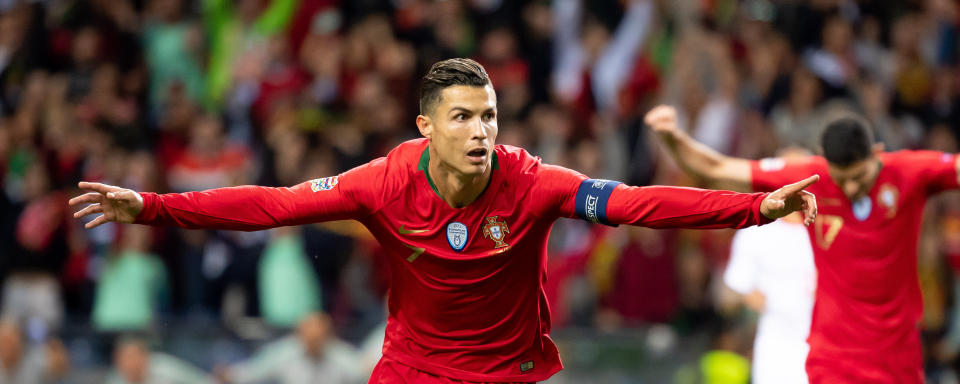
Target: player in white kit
(772, 266)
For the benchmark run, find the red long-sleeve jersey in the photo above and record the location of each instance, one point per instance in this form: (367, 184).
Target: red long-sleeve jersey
(466, 299)
(868, 304)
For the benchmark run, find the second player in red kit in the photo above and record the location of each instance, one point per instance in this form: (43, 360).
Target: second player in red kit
(465, 225)
(864, 240)
(868, 303)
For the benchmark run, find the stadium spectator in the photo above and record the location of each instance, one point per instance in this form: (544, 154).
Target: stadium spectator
(24, 362)
(135, 363)
(131, 286)
(284, 269)
(313, 353)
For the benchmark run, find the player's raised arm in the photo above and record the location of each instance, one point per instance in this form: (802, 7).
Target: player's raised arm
(937, 171)
(693, 157)
(247, 208)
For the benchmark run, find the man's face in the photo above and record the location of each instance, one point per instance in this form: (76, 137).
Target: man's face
(314, 331)
(856, 179)
(462, 128)
(131, 362)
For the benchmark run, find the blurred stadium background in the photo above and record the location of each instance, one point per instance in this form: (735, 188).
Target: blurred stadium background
(178, 95)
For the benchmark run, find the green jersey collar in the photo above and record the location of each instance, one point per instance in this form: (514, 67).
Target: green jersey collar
(425, 163)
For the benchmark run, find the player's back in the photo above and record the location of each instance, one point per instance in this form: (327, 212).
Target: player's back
(466, 299)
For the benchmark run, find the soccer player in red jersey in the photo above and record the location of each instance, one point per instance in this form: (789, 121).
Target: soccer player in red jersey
(465, 225)
(868, 305)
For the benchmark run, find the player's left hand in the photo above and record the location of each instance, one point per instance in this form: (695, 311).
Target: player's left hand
(116, 204)
(791, 198)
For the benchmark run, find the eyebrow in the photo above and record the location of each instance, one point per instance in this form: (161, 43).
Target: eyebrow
(460, 109)
(856, 175)
(467, 110)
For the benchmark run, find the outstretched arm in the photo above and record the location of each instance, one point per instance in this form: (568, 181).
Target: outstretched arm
(679, 207)
(569, 194)
(694, 158)
(246, 208)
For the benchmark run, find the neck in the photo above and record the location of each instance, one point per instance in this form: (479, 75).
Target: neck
(457, 189)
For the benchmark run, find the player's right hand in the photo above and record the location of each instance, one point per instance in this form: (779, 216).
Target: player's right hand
(115, 204)
(662, 119)
(792, 198)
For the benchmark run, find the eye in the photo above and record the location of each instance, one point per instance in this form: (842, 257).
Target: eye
(460, 117)
(489, 116)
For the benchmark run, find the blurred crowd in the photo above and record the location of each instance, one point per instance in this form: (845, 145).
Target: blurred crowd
(182, 95)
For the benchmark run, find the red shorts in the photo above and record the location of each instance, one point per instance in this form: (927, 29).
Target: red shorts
(873, 369)
(392, 372)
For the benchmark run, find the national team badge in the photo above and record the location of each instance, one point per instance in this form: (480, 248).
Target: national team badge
(324, 184)
(457, 236)
(888, 197)
(862, 208)
(496, 230)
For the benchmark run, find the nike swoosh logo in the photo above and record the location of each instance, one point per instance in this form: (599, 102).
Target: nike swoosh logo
(416, 252)
(404, 231)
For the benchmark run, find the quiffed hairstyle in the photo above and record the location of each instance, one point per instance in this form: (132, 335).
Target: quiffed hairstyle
(448, 73)
(846, 140)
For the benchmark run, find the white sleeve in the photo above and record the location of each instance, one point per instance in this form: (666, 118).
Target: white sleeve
(617, 60)
(741, 272)
(715, 124)
(568, 55)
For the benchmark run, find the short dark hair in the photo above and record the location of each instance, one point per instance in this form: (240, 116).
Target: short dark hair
(846, 140)
(448, 73)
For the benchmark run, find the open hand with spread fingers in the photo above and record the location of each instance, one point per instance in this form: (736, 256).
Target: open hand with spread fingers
(791, 198)
(115, 204)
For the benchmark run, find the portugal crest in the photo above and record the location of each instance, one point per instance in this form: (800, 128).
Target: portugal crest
(888, 197)
(496, 230)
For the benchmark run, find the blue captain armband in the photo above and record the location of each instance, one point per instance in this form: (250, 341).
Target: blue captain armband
(592, 197)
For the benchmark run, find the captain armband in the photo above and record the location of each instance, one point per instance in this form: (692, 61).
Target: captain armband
(592, 197)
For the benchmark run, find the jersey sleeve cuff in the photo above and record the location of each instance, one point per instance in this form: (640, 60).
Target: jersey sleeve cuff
(759, 218)
(148, 214)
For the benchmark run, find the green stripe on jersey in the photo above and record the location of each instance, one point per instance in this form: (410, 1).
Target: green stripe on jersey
(424, 164)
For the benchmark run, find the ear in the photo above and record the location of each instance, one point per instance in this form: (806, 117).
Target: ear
(425, 125)
(878, 148)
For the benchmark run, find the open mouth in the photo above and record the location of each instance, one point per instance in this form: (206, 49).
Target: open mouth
(477, 155)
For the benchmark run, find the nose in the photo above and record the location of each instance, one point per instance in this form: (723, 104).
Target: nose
(851, 188)
(479, 131)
